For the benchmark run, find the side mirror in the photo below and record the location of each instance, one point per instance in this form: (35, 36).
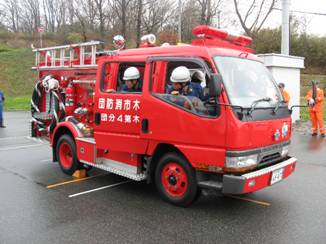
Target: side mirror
(215, 85)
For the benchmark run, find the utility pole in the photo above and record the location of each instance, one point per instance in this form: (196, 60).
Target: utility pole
(179, 22)
(285, 27)
(40, 30)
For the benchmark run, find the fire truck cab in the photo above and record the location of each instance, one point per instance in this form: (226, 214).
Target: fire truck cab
(234, 139)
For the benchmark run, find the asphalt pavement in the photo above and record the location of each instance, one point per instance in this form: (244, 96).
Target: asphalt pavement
(106, 208)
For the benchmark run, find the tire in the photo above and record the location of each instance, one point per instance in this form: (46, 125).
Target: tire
(176, 180)
(66, 155)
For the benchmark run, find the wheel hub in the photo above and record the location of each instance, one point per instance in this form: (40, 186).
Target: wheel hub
(172, 180)
(65, 154)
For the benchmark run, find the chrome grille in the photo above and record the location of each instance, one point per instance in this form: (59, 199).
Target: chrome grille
(270, 158)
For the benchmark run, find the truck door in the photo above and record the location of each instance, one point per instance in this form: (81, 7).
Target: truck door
(198, 131)
(117, 112)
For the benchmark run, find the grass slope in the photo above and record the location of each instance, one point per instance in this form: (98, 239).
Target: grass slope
(16, 77)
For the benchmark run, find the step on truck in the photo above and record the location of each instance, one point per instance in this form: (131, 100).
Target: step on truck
(234, 139)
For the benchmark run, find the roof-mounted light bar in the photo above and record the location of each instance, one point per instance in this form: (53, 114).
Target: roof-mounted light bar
(214, 33)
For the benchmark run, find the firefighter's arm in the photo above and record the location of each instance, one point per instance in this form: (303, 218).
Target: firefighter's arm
(310, 101)
(111, 90)
(309, 95)
(320, 96)
(286, 97)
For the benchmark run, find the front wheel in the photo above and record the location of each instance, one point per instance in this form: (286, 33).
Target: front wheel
(66, 155)
(176, 180)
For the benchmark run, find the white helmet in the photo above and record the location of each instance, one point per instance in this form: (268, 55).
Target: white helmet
(132, 73)
(180, 74)
(200, 77)
(165, 44)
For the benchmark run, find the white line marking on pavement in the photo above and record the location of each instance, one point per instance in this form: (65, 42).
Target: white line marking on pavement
(46, 160)
(100, 188)
(12, 137)
(43, 141)
(20, 147)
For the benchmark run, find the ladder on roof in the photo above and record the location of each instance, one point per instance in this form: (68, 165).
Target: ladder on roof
(81, 55)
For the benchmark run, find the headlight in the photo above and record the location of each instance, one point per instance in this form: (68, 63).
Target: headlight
(285, 151)
(241, 162)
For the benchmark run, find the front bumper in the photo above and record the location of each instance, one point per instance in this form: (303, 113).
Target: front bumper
(256, 180)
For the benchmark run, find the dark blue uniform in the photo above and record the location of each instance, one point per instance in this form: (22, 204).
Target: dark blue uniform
(2, 98)
(194, 90)
(137, 88)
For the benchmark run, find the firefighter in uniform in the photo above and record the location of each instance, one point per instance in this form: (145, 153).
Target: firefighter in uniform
(285, 94)
(2, 98)
(182, 85)
(132, 83)
(315, 100)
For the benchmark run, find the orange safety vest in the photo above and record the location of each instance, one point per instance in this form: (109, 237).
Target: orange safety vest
(319, 101)
(286, 96)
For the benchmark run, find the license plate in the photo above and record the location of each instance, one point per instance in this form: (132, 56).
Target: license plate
(277, 175)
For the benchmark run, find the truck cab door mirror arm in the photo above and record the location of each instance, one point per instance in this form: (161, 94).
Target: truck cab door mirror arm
(215, 85)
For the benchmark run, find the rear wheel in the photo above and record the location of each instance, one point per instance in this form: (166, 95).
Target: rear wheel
(66, 155)
(176, 180)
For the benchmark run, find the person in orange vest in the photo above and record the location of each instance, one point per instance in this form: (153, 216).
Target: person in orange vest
(285, 94)
(315, 100)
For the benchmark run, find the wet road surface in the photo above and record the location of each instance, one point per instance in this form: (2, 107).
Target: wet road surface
(293, 211)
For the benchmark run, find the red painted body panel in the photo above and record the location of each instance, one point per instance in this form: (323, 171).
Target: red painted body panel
(119, 130)
(200, 139)
(72, 128)
(250, 135)
(86, 151)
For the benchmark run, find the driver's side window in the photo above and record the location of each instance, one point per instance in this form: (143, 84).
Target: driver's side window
(183, 84)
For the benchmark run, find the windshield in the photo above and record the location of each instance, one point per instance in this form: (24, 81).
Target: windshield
(247, 81)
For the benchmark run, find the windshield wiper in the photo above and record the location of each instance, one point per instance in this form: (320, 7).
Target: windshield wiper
(278, 105)
(254, 103)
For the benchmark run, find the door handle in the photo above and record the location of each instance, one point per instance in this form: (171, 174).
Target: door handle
(144, 126)
(97, 118)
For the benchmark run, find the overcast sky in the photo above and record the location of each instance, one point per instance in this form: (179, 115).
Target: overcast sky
(316, 24)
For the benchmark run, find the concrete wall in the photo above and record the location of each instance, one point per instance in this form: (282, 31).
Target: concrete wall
(286, 69)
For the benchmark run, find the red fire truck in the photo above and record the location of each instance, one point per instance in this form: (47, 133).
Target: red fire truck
(234, 142)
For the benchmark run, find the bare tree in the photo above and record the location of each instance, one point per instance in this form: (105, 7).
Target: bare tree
(156, 15)
(101, 6)
(140, 8)
(31, 15)
(208, 10)
(13, 10)
(121, 8)
(49, 14)
(61, 13)
(71, 11)
(88, 10)
(255, 15)
(82, 21)
(191, 16)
